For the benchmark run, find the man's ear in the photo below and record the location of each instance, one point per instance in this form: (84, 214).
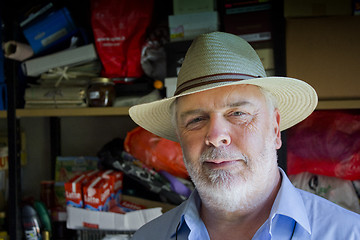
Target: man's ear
(276, 124)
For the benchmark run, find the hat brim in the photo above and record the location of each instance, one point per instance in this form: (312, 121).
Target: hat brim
(295, 98)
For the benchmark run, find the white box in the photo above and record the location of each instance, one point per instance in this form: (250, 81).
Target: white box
(79, 218)
(69, 57)
(188, 26)
(170, 84)
(266, 56)
(192, 6)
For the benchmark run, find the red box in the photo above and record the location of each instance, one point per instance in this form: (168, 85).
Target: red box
(115, 179)
(73, 190)
(97, 194)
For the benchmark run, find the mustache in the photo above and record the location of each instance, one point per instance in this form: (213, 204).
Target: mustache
(222, 153)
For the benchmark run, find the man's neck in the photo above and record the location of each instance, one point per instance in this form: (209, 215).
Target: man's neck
(230, 225)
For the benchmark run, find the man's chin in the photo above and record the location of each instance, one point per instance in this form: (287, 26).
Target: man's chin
(224, 197)
(224, 178)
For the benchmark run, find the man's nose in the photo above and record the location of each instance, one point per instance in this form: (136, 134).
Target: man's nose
(217, 134)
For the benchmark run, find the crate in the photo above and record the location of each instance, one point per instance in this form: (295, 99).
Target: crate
(100, 234)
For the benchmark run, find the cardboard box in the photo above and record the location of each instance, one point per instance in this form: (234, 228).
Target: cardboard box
(65, 58)
(78, 218)
(69, 166)
(252, 26)
(73, 191)
(148, 203)
(325, 53)
(170, 85)
(192, 6)
(188, 26)
(311, 8)
(97, 194)
(266, 56)
(243, 7)
(115, 179)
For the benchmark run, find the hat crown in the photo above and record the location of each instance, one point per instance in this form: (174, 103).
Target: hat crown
(221, 59)
(219, 53)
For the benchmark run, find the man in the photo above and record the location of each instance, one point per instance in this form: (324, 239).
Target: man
(227, 116)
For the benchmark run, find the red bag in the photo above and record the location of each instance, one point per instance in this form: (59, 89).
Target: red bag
(119, 28)
(156, 152)
(326, 143)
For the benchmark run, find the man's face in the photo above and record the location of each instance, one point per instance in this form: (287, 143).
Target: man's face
(229, 138)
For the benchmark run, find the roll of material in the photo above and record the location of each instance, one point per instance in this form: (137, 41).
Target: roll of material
(17, 51)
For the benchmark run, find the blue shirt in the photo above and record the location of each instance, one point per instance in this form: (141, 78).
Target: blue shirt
(295, 214)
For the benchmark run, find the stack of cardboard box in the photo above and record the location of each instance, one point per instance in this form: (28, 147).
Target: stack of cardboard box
(322, 46)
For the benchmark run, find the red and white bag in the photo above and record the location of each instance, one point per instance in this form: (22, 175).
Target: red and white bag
(119, 28)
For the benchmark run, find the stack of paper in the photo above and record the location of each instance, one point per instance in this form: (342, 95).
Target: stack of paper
(40, 97)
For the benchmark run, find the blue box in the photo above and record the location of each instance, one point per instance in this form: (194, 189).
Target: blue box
(49, 30)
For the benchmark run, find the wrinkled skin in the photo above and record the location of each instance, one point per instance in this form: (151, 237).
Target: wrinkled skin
(229, 138)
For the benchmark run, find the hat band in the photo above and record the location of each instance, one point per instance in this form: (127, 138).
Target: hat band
(223, 77)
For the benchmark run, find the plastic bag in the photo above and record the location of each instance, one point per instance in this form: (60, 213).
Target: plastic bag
(119, 28)
(153, 57)
(326, 143)
(156, 152)
(138, 178)
(339, 191)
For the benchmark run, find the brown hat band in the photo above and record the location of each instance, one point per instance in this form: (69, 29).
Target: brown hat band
(216, 78)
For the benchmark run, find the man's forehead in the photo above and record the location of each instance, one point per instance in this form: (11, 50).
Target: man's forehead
(188, 105)
(229, 95)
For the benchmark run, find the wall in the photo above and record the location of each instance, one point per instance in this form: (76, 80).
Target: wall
(80, 136)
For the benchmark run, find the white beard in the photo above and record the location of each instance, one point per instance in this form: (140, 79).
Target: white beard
(239, 188)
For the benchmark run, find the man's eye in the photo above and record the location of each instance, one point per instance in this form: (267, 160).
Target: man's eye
(238, 113)
(194, 120)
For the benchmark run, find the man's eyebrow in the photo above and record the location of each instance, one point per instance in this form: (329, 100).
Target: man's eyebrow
(190, 112)
(239, 103)
(197, 111)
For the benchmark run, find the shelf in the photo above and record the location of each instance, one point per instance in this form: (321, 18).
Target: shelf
(338, 104)
(70, 112)
(124, 111)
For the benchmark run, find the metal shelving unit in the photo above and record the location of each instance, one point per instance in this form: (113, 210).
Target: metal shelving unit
(69, 112)
(13, 115)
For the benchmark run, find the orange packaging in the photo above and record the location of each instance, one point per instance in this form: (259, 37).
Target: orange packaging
(97, 194)
(116, 184)
(126, 206)
(73, 190)
(130, 206)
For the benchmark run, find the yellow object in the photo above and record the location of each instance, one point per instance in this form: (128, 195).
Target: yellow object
(158, 84)
(46, 235)
(4, 236)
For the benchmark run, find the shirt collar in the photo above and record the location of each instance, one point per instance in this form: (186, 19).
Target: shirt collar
(288, 202)
(190, 209)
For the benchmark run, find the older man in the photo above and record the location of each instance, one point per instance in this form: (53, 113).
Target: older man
(227, 116)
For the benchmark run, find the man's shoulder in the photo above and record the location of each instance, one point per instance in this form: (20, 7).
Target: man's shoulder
(331, 213)
(328, 220)
(162, 227)
(315, 203)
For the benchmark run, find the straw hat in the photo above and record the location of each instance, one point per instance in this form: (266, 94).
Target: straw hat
(220, 59)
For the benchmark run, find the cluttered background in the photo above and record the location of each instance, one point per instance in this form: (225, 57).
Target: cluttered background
(76, 68)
